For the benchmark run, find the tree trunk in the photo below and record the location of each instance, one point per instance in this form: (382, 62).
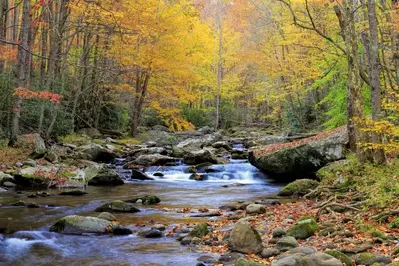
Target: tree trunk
(355, 100)
(374, 74)
(23, 68)
(142, 80)
(220, 63)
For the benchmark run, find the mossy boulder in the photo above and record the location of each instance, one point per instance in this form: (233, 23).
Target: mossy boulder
(303, 229)
(286, 243)
(200, 231)
(96, 153)
(117, 206)
(146, 200)
(33, 142)
(102, 175)
(298, 187)
(368, 259)
(107, 216)
(341, 256)
(77, 225)
(245, 239)
(199, 156)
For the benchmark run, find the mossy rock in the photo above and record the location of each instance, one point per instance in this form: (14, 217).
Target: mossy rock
(147, 200)
(364, 258)
(76, 225)
(394, 224)
(303, 229)
(341, 256)
(200, 231)
(298, 187)
(117, 206)
(244, 262)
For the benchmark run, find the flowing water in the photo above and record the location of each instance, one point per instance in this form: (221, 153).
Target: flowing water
(32, 244)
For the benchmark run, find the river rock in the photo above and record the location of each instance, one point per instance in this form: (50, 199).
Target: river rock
(303, 229)
(199, 231)
(269, 252)
(73, 193)
(302, 250)
(198, 177)
(5, 178)
(321, 259)
(121, 231)
(192, 144)
(154, 159)
(341, 256)
(107, 216)
(160, 227)
(255, 209)
(291, 260)
(199, 156)
(49, 176)
(9, 184)
(117, 206)
(33, 142)
(95, 152)
(77, 225)
(146, 200)
(279, 232)
(298, 187)
(300, 159)
(2, 190)
(138, 175)
(102, 175)
(244, 262)
(153, 233)
(245, 239)
(286, 243)
(368, 259)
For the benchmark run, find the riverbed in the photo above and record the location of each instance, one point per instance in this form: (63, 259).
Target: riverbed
(32, 244)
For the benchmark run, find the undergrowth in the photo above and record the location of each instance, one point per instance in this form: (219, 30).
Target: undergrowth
(379, 184)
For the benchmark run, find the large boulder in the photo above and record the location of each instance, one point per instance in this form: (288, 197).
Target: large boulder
(138, 175)
(117, 206)
(245, 239)
(298, 187)
(321, 259)
(154, 159)
(95, 152)
(77, 225)
(50, 176)
(102, 175)
(199, 157)
(196, 143)
(33, 142)
(301, 157)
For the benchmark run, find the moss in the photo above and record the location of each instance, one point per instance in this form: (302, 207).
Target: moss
(298, 187)
(68, 174)
(148, 199)
(58, 227)
(341, 256)
(200, 230)
(395, 251)
(394, 224)
(303, 229)
(364, 258)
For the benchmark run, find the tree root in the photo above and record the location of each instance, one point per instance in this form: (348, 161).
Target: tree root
(326, 206)
(383, 217)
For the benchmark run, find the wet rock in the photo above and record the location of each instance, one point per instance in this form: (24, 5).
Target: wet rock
(102, 175)
(32, 205)
(229, 207)
(117, 206)
(159, 174)
(146, 200)
(96, 153)
(340, 256)
(199, 156)
(298, 187)
(199, 230)
(18, 203)
(160, 227)
(186, 240)
(303, 229)
(138, 175)
(255, 209)
(269, 252)
(198, 177)
(268, 202)
(121, 231)
(286, 243)
(9, 185)
(207, 259)
(206, 214)
(195, 241)
(107, 216)
(153, 233)
(245, 239)
(78, 225)
(244, 204)
(73, 193)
